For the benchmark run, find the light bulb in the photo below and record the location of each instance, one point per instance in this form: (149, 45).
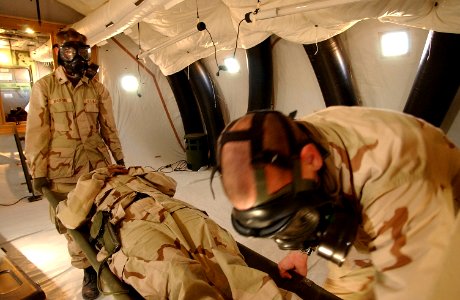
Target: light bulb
(129, 83)
(233, 66)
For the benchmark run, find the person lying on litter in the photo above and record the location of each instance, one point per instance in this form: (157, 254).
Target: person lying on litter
(163, 247)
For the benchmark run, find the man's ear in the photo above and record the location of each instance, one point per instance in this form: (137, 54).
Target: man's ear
(311, 158)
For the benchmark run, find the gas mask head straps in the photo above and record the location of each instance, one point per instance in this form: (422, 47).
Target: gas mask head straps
(300, 215)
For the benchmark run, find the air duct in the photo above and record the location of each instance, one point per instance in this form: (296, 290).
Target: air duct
(115, 16)
(437, 79)
(260, 68)
(333, 71)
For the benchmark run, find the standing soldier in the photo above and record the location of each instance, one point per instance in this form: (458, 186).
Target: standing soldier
(69, 127)
(373, 191)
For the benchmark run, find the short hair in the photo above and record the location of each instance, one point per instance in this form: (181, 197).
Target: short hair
(70, 34)
(268, 137)
(282, 134)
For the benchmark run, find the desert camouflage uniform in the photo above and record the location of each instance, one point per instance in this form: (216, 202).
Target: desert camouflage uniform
(67, 131)
(170, 250)
(405, 175)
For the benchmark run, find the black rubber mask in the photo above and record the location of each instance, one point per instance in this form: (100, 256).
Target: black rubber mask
(74, 57)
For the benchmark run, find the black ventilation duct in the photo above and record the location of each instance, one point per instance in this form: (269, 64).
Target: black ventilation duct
(333, 72)
(437, 79)
(205, 95)
(188, 107)
(260, 69)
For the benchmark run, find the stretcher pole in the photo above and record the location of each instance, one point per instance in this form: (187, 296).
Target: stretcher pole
(110, 283)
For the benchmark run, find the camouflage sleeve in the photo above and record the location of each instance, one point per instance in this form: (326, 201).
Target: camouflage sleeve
(107, 122)
(38, 133)
(412, 225)
(73, 211)
(410, 228)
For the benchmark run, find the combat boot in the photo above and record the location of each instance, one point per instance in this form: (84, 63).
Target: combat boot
(89, 290)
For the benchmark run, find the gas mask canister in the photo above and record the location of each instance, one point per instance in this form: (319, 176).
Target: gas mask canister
(300, 216)
(74, 57)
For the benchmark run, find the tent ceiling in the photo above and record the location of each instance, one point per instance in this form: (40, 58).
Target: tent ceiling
(170, 26)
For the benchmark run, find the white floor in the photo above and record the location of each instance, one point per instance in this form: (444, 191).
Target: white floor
(32, 243)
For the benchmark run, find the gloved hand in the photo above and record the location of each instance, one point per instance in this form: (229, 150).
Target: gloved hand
(39, 183)
(121, 162)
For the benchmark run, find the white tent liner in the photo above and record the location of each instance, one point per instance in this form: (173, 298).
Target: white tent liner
(311, 22)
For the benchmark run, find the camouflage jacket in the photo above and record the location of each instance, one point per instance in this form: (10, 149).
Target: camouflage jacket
(68, 129)
(169, 250)
(404, 174)
(114, 193)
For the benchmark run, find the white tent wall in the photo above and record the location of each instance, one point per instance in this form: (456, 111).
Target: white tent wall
(383, 82)
(380, 82)
(146, 134)
(387, 82)
(295, 83)
(233, 89)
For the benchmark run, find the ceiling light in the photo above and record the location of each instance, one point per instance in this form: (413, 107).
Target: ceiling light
(394, 43)
(5, 59)
(233, 66)
(29, 31)
(129, 83)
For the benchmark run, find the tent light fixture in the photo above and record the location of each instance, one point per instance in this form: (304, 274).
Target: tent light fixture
(232, 64)
(129, 83)
(394, 43)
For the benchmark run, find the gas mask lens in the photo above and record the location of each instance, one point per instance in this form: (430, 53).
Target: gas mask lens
(69, 50)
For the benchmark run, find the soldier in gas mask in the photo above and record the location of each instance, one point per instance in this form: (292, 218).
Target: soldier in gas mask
(374, 192)
(70, 130)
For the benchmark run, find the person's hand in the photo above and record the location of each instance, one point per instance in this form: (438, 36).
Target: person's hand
(117, 169)
(39, 183)
(121, 162)
(295, 261)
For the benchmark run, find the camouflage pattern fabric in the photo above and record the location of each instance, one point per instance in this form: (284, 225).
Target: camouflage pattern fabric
(405, 176)
(170, 250)
(78, 258)
(68, 129)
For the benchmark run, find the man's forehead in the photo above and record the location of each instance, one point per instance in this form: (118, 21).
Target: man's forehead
(236, 150)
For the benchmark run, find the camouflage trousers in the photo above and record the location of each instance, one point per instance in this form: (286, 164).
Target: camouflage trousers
(78, 257)
(183, 254)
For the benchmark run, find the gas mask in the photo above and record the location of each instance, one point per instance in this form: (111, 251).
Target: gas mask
(300, 216)
(74, 57)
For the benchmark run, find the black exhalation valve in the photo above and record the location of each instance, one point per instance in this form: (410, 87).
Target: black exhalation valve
(201, 26)
(91, 71)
